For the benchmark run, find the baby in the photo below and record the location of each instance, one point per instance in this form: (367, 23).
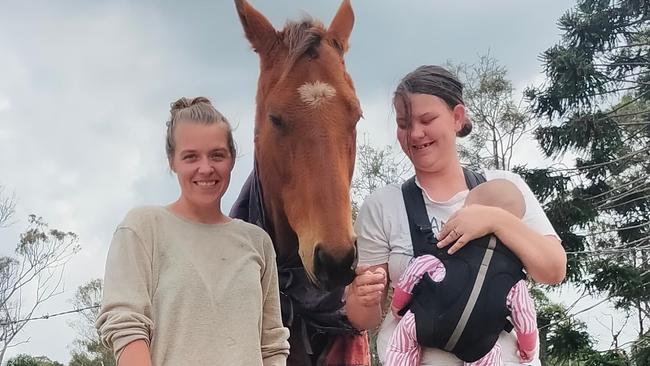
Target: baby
(404, 350)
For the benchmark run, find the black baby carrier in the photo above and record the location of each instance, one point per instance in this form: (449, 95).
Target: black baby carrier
(465, 312)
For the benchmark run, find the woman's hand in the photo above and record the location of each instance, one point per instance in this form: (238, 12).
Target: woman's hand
(368, 286)
(468, 223)
(542, 255)
(365, 295)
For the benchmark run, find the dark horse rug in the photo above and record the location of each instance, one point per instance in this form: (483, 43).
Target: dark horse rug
(319, 328)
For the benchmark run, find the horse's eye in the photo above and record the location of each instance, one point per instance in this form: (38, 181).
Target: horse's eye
(277, 121)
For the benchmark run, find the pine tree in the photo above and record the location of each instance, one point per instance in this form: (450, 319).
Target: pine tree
(597, 102)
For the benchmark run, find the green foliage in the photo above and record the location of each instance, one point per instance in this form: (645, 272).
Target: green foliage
(625, 283)
(95, 354)
(609, 358)
(27, 360)
(89, 351)
(375, 168)
(641, 350)
(596, 101)
(374, 356)
(501, 123)
(566, 208)
(569, 340)
(562, 338)
(36, 268)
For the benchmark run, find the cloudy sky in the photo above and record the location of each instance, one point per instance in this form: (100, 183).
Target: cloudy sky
(85, 88)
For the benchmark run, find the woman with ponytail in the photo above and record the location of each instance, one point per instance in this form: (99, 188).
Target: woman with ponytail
(430, 117)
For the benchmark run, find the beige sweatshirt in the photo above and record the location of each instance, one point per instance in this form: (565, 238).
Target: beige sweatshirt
(198, 294)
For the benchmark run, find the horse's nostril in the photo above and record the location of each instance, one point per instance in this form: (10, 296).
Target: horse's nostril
(334, 272)
(321, 257)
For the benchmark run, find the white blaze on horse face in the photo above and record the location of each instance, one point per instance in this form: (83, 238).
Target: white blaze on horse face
(314, 94)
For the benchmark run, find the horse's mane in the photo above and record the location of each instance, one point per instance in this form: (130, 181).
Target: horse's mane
(302, 37)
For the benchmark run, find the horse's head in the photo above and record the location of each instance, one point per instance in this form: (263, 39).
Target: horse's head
(305, 135)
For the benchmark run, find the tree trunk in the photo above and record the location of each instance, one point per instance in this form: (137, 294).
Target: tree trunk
(495, 149)
(2, 354)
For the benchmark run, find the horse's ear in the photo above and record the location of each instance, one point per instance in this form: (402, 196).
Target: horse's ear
(341, 26)
(258, 29)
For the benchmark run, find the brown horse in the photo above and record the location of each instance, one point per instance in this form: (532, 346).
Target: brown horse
(305, 124)
(305, 145)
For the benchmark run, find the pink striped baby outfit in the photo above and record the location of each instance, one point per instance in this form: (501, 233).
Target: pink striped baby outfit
(403, 348)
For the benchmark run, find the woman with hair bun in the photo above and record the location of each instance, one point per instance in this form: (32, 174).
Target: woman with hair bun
(430, 117)
(184, 283)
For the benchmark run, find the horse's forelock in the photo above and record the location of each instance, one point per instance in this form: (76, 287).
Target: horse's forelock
(302, 37)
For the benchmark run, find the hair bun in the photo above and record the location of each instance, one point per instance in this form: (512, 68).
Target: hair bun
(179, 104)
(183, 103)
(198, 100)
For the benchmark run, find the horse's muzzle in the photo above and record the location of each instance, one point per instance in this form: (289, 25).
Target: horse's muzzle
(334, 272)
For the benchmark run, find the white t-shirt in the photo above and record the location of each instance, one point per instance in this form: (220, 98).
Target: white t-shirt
(383, 236)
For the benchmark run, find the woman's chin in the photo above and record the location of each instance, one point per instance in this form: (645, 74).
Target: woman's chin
(426, 164)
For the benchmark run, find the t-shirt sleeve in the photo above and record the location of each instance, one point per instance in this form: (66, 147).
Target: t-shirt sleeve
(372, 240)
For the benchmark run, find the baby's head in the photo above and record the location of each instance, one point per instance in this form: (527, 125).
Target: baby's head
(498, 193)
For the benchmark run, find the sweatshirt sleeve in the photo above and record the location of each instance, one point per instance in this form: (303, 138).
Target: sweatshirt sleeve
(275, 344)
(126, 311)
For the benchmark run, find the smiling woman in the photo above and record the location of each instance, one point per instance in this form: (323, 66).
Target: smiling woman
(201, 151)
(430, 116)
(185, 284)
